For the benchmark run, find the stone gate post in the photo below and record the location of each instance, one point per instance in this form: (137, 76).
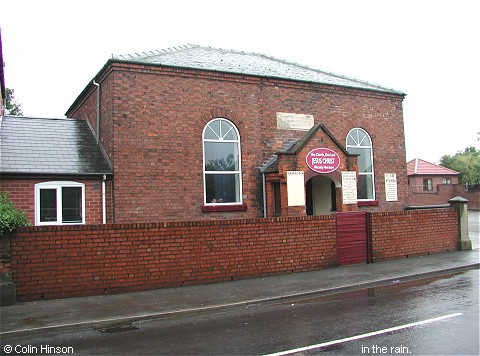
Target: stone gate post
(460, 204)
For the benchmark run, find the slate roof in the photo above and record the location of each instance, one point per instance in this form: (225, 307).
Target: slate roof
(418, 166)
(230, 61)
(49, 146)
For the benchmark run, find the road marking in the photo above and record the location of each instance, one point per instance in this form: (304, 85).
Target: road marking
(363, 336)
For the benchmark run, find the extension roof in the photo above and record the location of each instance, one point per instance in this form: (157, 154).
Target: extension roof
(31, 145)
(239, 62)
(418, 166)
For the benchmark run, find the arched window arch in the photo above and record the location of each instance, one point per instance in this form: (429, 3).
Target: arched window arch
(221, 163)
(360, 143)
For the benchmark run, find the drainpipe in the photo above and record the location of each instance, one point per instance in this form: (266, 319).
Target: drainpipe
(264, 197)
(98, 110)
(104, 199)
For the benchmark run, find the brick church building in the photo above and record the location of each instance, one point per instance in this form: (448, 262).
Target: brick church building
(200, 133)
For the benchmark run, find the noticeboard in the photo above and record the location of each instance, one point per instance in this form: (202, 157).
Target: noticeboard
(295, 188)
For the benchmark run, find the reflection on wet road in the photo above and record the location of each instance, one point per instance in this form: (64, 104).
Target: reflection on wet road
(437, 315)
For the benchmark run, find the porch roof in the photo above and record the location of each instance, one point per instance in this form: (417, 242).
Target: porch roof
(293, 147)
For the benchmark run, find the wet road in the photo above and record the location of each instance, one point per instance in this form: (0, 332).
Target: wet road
(438, 315)
(474, 227)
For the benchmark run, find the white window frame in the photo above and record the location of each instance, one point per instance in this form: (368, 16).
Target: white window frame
(429, 186)
(237, 172)
(369, 147)
(57, 185)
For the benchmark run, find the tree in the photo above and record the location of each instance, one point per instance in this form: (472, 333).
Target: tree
(467, 163)
(12, 105)
(10, 217)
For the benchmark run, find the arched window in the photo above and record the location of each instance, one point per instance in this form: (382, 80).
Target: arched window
(359, 142)
(221, 163)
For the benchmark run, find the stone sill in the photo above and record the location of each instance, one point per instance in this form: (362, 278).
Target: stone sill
(223, 208)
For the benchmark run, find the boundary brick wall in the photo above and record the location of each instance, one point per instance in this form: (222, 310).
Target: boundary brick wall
(442, 193)
(401, 234)
(66, 261)
(57, 262)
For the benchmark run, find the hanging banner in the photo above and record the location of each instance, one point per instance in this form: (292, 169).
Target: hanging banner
(391, 187)
(295, 188)
(349, 187)
(323, 160)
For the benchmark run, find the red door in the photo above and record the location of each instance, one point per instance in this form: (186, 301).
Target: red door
(351, 238)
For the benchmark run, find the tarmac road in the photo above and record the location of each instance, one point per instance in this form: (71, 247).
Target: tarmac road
(444, 311)
(473, 227)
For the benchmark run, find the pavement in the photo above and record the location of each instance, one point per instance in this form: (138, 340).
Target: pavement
(105, 311)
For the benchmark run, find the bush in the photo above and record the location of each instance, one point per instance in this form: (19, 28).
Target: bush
(10, 217)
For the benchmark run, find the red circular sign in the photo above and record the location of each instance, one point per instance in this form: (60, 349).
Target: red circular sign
(323, 160)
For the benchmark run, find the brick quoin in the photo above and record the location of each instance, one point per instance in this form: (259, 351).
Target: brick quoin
(66, 261)
(153, 118)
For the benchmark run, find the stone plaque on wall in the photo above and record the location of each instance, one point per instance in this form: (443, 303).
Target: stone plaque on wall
(349, 187)
(391, 187)
(288, 121)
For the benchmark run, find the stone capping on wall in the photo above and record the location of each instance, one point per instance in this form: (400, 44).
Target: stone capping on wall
(412, 211)
(129, 226)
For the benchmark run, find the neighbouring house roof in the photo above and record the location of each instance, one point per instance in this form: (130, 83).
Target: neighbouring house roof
(239, 62)
(42, 146)
(418, 166)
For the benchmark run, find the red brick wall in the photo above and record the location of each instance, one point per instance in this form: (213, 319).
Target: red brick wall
(472, 195)
(87, 109)
(66, 261)
(53, 262)
(442, 193)
(399, 234)
(156, 117)
(22, 194)
(416, 182)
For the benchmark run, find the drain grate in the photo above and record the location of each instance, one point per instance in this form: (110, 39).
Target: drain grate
(118, 329)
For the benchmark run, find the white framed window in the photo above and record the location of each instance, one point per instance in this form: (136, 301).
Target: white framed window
(59, 203)
(428, 184)
(222, 161)
(360, 143)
